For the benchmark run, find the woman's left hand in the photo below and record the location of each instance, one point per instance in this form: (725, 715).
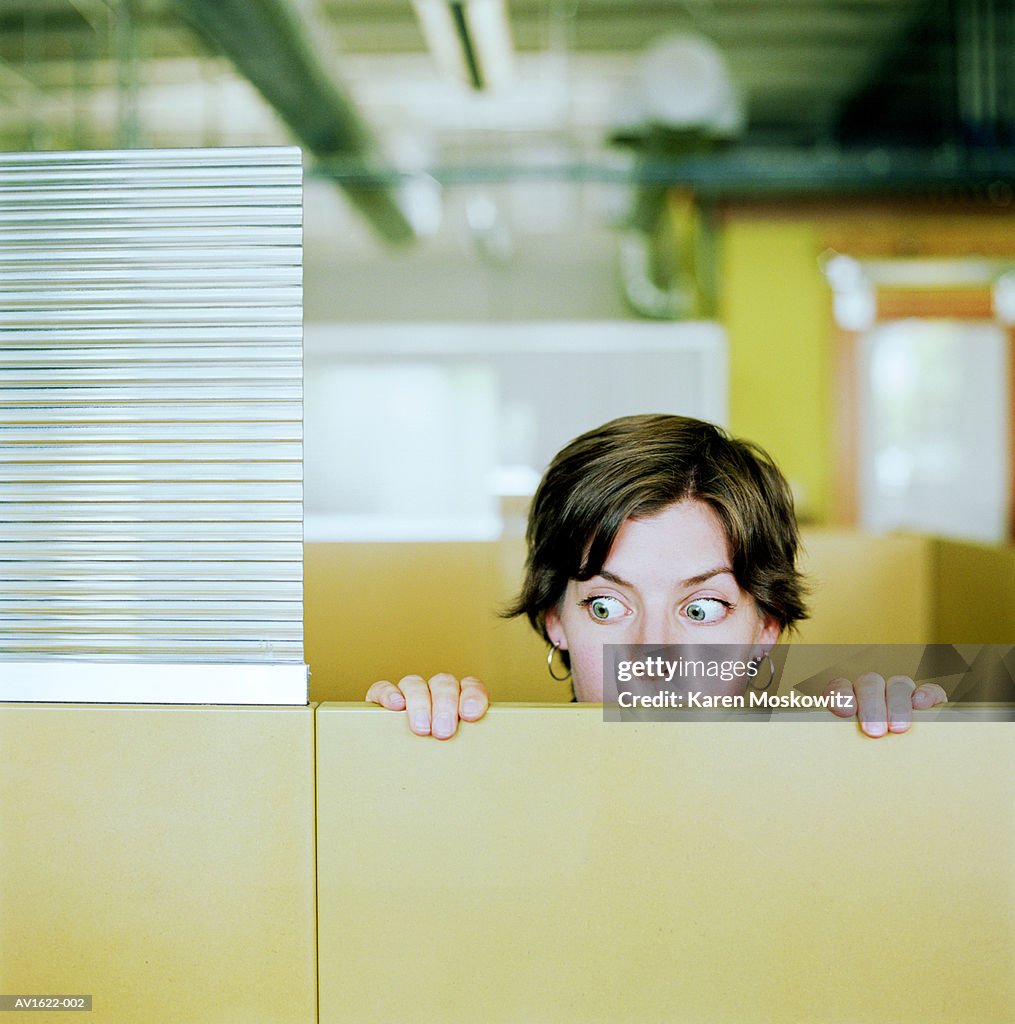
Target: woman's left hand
(882, 706)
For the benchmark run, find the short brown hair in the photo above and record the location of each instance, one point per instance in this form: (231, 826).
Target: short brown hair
(635, 466)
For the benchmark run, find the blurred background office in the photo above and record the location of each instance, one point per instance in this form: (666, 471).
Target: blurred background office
(794, 217)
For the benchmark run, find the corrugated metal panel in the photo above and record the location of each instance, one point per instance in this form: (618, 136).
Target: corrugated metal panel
(151, 416)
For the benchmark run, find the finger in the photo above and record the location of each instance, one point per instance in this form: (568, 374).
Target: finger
(417, 703)
(845, 705)
(871, 708)
(387, 695)
(444, 694)
(474, 701)
(899, 698)
(928, 695)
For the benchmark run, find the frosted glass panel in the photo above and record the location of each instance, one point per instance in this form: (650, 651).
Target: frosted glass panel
(384, 439)
(417, 431)
(934, 428)
(151, 417)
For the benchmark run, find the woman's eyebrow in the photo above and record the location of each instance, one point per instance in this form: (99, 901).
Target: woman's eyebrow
(719, 570)
(605, 574)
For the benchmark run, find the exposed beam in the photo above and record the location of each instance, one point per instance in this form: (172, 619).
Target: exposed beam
(771, 172)
(271, 47)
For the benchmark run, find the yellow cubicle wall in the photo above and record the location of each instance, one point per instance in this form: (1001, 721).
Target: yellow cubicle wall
(547, 867)
(381, 611)
(866, 589)
(974, 592)
(907, 588)
(160, 860)
(378, 611)
(542, 866)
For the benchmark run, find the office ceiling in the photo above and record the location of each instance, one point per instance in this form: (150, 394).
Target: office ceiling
(889, 80)
(812, 70)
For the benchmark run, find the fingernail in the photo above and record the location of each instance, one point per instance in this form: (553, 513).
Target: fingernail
(470, 707)
(875, 728)
(442, 725)
(420, 723)
(921, 698)
(396, 700)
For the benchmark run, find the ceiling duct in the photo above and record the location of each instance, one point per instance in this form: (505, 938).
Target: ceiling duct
(270, 47)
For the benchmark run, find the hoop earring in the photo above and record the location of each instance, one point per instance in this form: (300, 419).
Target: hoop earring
(549, 665)
(771, 671)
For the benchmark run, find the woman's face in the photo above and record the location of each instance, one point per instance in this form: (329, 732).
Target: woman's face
(668, 579)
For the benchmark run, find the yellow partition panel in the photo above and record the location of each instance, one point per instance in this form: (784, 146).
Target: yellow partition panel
(545, 866)
(974, 593)
(160, 860)
(381, 611)
(868, 589)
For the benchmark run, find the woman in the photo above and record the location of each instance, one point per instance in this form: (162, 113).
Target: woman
(658, 530)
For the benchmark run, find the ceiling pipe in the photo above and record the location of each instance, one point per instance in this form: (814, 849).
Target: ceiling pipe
(769, 172)
(270, 47)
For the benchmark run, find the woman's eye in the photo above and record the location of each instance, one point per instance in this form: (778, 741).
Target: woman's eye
(706, 609)
(604, 609)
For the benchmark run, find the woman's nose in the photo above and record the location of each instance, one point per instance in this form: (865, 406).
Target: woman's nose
(658, 626)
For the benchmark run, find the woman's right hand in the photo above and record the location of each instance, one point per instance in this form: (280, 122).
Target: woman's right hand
(434, 705)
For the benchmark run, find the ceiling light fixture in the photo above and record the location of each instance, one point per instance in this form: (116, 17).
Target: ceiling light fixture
(469, 39)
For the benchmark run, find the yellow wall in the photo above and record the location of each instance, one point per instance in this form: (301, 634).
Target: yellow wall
(777, 311)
